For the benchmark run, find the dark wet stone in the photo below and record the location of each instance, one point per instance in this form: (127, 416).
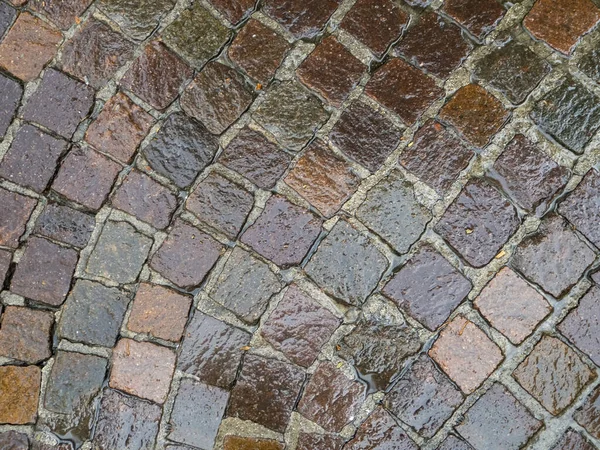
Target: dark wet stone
(7, 15)
(582, 325)
(186, 256)
(125, 422)
(291, 114)
(513, 69)
(308, 441)
(25, 334)
(234, 10)
(380, 431)
(196, 35)
(64, 13)
(347, 265)
(93, 314)
(434, 45)
(217, 97)
(246, 443)
(256, 158)
(156, 75)
(212, 350)
(181, 149)
(119, 253)
(588, 415)
(62, 446)
(144, 198)
(528, 175)
(65, 224)
(478, 16)
(258, 50)
(302, 18)
(13, 440)
(554, 257)
(10, 97)
(59, 103)
(573, 440)
(570, 114)
(365, 135)
(266, 392)
(403, 89)
(582, 206)
(375, 23)
(245, 286)
(14, 214)
(137, 18)
(424, 398)
(32, 158)
(428, 288)
(454, 443)
(197, 414)
(478, 223)
(299, 327)
(19, 392)
(589, 64)
(436, 156)
(5, 259)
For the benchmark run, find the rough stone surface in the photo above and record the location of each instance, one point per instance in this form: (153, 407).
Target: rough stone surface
(380, 431)
(7, 16)
(454, 443)
(10, 96)
(572, 440)
(64, 14)
(14, 214)
(65, 224)
(139, 18)
(581, 206)
(308, 441)
(302, 18)
(478, 16)
(19, 393)
(234, 10)
(588, 415)
(13, 440)
(25, 334)
(590, 64)
(5, 259)
(243, 443)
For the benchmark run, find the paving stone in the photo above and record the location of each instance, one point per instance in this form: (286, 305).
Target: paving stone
(28, 46)
(65, 224)
(380, 431)
(5, 259)
(561, 23)
(428, 288)
(256, 158)
(475, 113)
(144, 198)
(375, 23)
(126, 422)
(10, 97)
(221, 203)
(308, 441)
(197, 413)
(245, 286)
(478, 223)
(478, 16)
(572, 440)
(554, 257)
(435, 45)
(186, 256)
(302, 18)
(234, 10)
(290, 113)
(581, 206)
(245, 443)
(181, 149)
(217, 97)
(13, 440)
(512, 69)
(142, 369)
(93, 314)
(403, 89)
(196, 35)
(454, 443)
(7, 16)
(95, 53)
(588, 415)
(347, 265)
(436, 156)
(589, 64)
(44, 272)
(258, 50)
(299, 327)
(365, 135)
(41, 446)
(119, 253)
(498, 421)
(156, 75)
(512, 306)
(466, 354)
(64, 14)
(212, 350)
(19, 392)
(119, 128)
(15, 212)
(59, 103)
(25, 334)
(570, 114)
(160, 312)
(137, 20)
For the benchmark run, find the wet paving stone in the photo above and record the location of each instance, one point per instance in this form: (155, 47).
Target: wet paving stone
(512, 306)
(554, 374)
(265, 392)
(41, 446)
(424, 398)
(25, 334)
(380, 431)
(299, 327)
(186, 256)
(283, 233)
(581, 206)
(498, 421)
(64, 14)
(13, 440)
(466, 354)
(234, 10)
(588, 415)
(44, 272)
(244, 443)
(478, 223)
(570, 114)
(10, 97)
(19, 393)
(28, 46)
(32, 158)
(302, 18)
(245, 286)
(14, 214)
(5, 259)
(347, 265)
(582, 325)
(554, 257)
(291, 114)
(7, 16)
(572, 440)
(258, 50)
(589, 64)
(479, 17)
(308, 441)
(212, 350)
(64, 224)
(255, 157)
(138, 21)
(454, 443)
(365, 135)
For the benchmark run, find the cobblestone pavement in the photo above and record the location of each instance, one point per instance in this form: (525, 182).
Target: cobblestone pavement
(299, 224)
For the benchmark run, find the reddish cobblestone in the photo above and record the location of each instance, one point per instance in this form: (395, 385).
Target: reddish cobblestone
(19, 389)
(478, 16)
(588, 415)
(234, 10)
(25, 334)
(15, 212)
(64, 14)
(302, 18)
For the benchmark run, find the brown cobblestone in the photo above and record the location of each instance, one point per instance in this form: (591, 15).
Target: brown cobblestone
(588, 415)
(25, 334)
(478, 16)
(308, 441)
(19, 389)
(244, 443)
(64, 13)
(234, 10)
(302, 18)
(15, 212)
